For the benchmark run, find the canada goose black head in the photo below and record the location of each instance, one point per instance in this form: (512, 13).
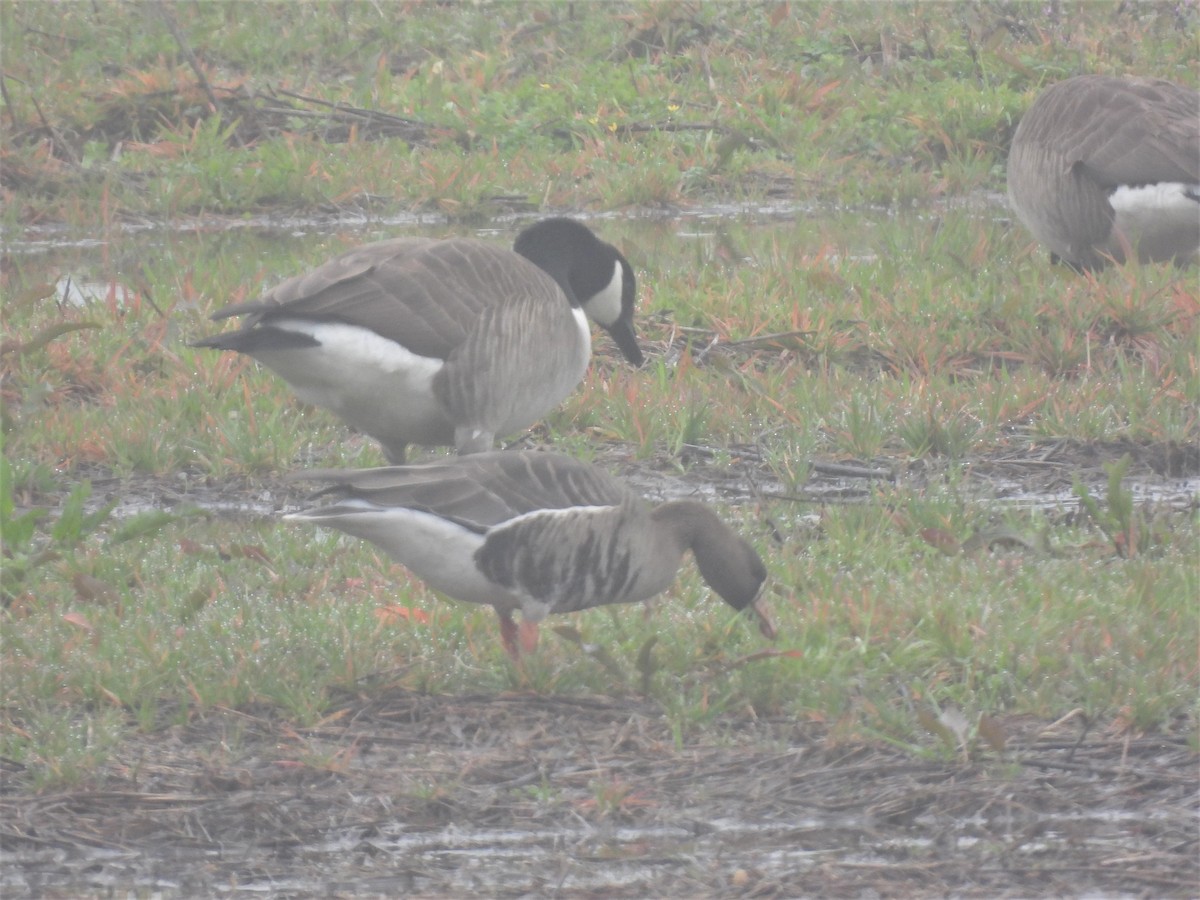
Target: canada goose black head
(592, 273)
(1102, 167)
(433, 342)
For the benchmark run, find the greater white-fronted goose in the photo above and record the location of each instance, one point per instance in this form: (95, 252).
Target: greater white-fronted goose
(435, 342)
(1101, 166)
(537, 532)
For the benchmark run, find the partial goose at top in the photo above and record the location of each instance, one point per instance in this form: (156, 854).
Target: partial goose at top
(537, 532)
(443, 342)
(1103, 167)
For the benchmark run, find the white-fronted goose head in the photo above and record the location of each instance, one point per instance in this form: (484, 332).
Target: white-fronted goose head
(537, 532)
(1101, 167)
(435, 342)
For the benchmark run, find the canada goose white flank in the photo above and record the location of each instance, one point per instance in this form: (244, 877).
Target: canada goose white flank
(1103, 167)
(537, 532)
(435, 342)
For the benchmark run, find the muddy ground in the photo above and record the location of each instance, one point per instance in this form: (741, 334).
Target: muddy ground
(399, 794)
(1163, 476)
(396, 793)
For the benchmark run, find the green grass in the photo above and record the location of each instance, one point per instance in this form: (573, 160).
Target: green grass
(200, 613)
(929, 336)
(575, 105)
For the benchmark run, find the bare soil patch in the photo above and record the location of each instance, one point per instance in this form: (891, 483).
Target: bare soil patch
(516, 795)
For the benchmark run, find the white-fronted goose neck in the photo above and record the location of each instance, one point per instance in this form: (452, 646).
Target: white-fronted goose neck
(436, 342)
(1102, 166)
(537, 532)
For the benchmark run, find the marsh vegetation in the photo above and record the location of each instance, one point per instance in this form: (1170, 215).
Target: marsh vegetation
(830, 287)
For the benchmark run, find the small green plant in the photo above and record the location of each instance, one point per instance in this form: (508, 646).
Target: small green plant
(26, 543)
(862, 429)
(1130, 532)
(936, 432)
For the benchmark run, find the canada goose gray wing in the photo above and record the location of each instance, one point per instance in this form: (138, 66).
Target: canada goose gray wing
(1131, 131)
(422, 294)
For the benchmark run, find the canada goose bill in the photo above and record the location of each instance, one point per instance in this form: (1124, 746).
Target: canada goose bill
(536, 532)
(1105, 168)
(443, 342)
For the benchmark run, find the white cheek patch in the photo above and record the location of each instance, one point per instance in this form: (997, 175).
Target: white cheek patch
(605, 305)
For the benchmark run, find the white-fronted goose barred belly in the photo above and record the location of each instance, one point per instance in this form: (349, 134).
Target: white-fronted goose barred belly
(434, 342)
(1101, 166)
(537, 532)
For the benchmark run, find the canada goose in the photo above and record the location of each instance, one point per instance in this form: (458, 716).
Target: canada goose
(420, 341)
(535, 531)
(1100, 165)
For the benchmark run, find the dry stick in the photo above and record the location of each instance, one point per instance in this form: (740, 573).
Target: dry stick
(8, 104)
(648, 127)
(352, 110)
(54, 135)
(845, 471)
(766, 338)
(168, 17)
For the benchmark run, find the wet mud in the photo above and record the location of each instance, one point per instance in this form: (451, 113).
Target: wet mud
(1044, 476)
(401, 794)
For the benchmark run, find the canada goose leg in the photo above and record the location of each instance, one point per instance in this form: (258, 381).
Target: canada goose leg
(509, 633)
